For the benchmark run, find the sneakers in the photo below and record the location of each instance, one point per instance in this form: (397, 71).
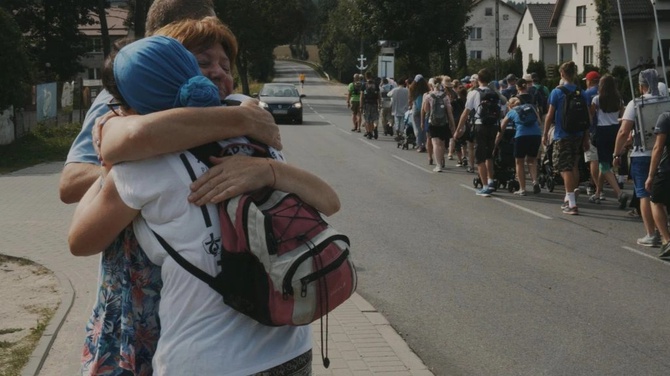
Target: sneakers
(536, 188)
(450, 157)
(665, 252)
(623, 200)
(459, 164)
(649, 241)
(470, 169)
(484, 192)
(520, 192)
(437, 168)
(590, 190)
(570, 210)
(594, 199)
(602, 196)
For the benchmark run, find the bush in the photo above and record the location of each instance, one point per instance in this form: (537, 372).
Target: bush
(537, 67)
(43, 144)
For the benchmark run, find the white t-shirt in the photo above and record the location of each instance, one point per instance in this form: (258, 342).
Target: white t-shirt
(399, 100)
(472, 103)
(629, 114)
(605, 118)
(200, 335)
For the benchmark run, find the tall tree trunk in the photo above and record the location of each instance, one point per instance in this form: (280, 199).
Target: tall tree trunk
(242, 67)
(140, 17)
(104, 29)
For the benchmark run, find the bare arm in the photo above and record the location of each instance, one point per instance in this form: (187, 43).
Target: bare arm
(139, 137)
(235, 175)
(548, 120)
(75, 180)
(461, 122)
(656, 153)
(450, 114)
(99, 218)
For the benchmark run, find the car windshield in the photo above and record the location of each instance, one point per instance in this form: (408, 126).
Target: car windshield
(279, 91)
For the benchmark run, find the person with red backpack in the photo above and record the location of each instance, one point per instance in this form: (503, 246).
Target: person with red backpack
(568, 112)
(483, 108)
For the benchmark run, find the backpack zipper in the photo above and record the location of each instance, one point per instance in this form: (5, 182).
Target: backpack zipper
(304, 281)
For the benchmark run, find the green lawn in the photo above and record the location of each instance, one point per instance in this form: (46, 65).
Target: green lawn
(43, 144)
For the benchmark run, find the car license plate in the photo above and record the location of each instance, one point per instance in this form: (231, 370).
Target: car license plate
(280, 112)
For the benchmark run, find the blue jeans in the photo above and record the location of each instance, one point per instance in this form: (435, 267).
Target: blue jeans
(420, 133)
(639, 170)
(399, 123)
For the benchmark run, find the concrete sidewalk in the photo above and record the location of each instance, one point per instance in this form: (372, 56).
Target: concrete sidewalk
(34, 225)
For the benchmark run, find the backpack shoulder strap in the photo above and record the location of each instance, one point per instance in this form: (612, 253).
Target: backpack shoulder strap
(198, 273)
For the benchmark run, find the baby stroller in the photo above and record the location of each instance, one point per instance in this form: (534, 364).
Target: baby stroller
(550, 178)
(406, 136)
(504, 173)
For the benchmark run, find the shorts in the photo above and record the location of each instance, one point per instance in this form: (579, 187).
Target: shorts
(639, 171)
(591, 154)
(298, 366)
(605, 140)
(485, 140)
(355, 107)
(566, 153)
(443, 133)
(370, 113)
(660, 189)
(527, 146)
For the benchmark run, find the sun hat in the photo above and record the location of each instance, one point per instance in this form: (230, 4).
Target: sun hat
(474, 77)
(158, 73)
(418, 77)
(528, 77)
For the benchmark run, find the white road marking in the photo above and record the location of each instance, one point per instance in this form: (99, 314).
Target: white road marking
(644, 254)
(533, 212)
(411, 164)
(369, 143)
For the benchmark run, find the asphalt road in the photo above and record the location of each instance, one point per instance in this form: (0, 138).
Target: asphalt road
(485, 286)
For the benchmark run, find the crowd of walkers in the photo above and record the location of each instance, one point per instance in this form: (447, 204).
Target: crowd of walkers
(481, 123)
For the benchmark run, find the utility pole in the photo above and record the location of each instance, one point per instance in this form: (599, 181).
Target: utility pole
(361, 60)
(497, 15)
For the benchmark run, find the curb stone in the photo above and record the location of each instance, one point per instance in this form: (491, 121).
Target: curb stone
(40, 353)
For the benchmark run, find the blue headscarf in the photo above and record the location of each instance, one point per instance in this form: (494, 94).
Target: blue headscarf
(158, 73)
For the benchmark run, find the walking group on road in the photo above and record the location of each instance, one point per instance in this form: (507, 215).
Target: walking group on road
(505, 130)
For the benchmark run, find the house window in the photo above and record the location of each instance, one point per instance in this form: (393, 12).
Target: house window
(476, 55)
(581, 15)
(488, 12)
(475, 33)
(530, 57)
(95, 45)
(505, 17)
(530, 31)
(94, 74)
(588, 55)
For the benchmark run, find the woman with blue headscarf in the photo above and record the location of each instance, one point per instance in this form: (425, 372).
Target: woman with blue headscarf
(199, 333)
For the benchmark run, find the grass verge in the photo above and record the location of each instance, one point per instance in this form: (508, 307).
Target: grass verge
(43, 144)
(14, 354)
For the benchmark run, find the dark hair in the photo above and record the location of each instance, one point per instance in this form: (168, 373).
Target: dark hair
(569, 70)
(609, 98)
(484, 76)
(418, 88)
(108, 80)
(164, 12)
(521, 83)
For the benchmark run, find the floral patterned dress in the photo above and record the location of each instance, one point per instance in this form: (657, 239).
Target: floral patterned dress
(123, 330)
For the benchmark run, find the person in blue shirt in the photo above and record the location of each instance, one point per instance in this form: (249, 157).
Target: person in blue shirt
(567, 146)
(591, 156)
(527, 138)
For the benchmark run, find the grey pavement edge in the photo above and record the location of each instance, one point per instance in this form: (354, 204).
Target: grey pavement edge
(360, 340)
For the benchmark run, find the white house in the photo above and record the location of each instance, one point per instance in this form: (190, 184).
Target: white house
(578, 40)
(94, 59)
(535, 36)
(481, 43)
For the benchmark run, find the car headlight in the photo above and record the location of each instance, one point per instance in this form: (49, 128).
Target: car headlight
(263, 104)
(297, 105)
